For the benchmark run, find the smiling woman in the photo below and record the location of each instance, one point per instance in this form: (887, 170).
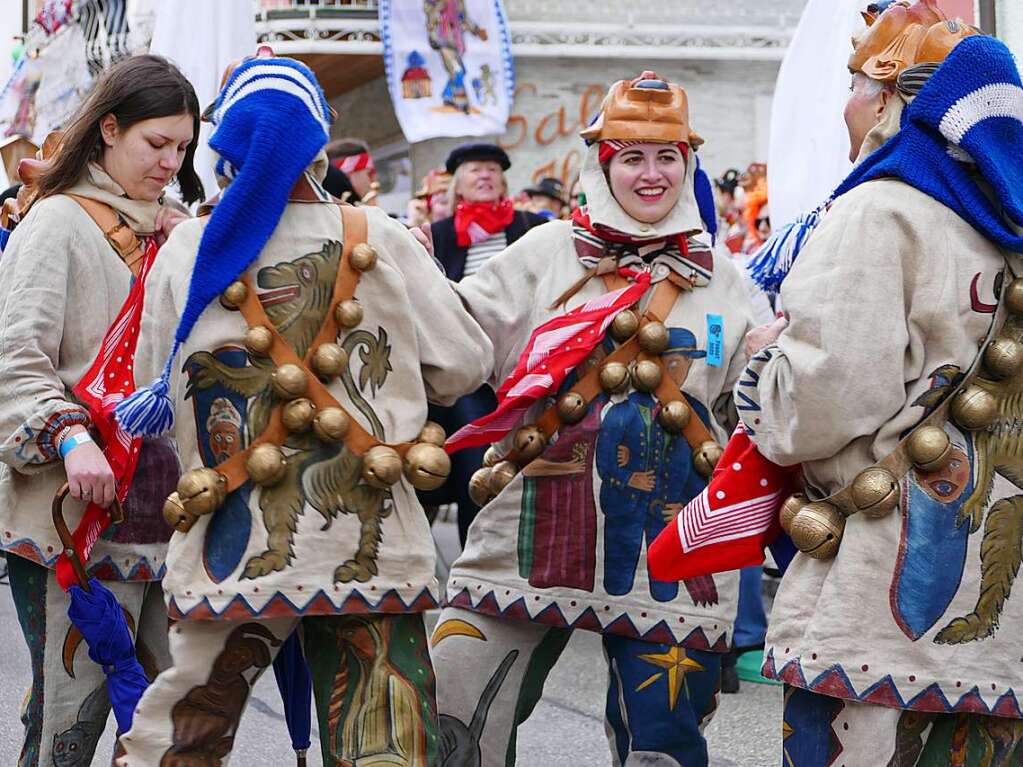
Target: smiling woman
(646, 179)
(77, 260)
(617, 341)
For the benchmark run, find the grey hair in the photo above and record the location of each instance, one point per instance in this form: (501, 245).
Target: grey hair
(870, 87)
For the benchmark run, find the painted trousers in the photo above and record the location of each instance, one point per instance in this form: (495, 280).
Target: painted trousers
(66, 709)
(491, 672)
(819, 731)
(372, 682)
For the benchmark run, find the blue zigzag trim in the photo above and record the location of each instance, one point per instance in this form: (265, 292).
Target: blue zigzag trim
(29, 549)
(835, 682)
(239, 607)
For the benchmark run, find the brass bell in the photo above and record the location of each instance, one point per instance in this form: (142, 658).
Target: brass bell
(259, 339)
(707, 457)
(614, 377)
(653, 338)
(348, 313)
(432, 433)
(528, 442)
(234, 295)
(501, 476)
(674, 416)
(479, 487)
(426, 466)
(174, 514)
(646, 375)
(974, 408)
(492, 457)
(624, 325)
(331, 424)
(289, 381)
(875, 492)
(792, 506)
(572, 407)
(817, 530)
(1012, 295)
(266, 464)
(202, 491)
(364, 257)
(329, 361)
(1003, 358)
(298, 415)
(381, 466)
(929, 448)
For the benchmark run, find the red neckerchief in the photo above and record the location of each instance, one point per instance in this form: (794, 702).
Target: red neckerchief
(554, 349)
(109, 380)
(476, 221)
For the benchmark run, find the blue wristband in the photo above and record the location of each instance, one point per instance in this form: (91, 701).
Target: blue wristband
(70, 443)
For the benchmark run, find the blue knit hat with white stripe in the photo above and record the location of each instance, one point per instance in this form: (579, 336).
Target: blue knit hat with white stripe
(271, 119)
(962, 132)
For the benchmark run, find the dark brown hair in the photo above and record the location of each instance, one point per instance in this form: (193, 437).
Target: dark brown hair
(135, 89)
(345, 147)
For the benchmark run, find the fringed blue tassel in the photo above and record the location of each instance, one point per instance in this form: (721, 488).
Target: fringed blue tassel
(769, 266)
(149, 412)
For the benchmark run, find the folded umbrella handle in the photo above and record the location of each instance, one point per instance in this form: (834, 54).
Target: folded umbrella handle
(116, 513)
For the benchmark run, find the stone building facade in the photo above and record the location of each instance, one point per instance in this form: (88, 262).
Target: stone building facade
(566, 53)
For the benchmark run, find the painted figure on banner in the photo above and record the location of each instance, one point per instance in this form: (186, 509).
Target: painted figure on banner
(447, 24)
(483, 85)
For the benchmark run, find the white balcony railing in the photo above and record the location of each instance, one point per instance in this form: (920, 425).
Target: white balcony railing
(660, 30)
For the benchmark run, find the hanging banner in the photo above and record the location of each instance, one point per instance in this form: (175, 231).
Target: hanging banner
(449, 66)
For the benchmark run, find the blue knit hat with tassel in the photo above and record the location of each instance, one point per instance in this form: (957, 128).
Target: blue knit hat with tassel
(705, 201)
(271, 121)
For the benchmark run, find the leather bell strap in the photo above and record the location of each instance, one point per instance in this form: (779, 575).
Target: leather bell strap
(898, 462)
(356, 439)
(588, 387)
(120, 236)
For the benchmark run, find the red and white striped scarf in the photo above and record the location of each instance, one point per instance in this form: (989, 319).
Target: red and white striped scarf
(552, 352)
(109, 380)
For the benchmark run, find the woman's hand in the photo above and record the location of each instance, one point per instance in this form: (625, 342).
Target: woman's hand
(166, 219)
(89, 476)
(763, 336)
(424, 236)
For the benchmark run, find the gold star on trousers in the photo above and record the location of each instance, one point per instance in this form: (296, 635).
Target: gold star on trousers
(677, 664)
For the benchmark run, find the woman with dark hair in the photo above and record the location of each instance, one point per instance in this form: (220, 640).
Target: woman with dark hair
(70, 298)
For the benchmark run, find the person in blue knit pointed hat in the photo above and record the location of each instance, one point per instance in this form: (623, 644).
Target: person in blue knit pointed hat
(308, 337)
(893, 380)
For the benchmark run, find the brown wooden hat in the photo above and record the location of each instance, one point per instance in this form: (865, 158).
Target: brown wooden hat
(647, 108)
(903, 35)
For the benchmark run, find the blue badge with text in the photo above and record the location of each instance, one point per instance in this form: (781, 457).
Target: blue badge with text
(715, 340)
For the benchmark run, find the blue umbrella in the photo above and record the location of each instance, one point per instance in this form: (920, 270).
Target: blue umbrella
(97, 614)
(100, 619)
(296, 686)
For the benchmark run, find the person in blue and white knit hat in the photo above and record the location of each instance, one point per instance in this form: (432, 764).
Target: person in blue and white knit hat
(324, 352)
(896, 631)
